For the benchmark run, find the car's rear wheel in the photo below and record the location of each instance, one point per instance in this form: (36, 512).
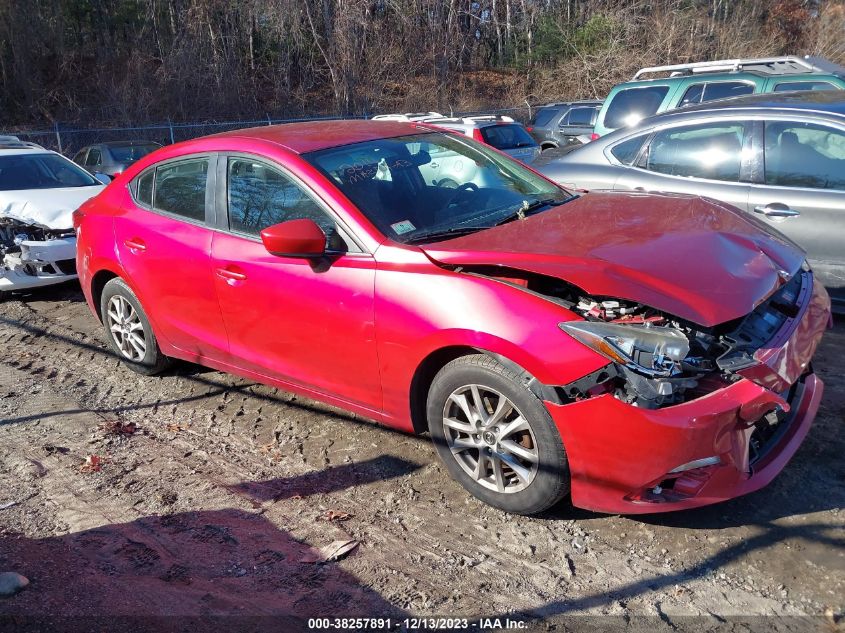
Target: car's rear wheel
(495, 436)
(128, 329)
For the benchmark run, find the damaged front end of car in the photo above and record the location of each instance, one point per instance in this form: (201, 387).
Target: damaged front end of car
(32, 256)
(656, 359)
(682, 415)
(660, 360)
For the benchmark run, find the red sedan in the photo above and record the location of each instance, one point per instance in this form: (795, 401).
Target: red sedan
(640, 352)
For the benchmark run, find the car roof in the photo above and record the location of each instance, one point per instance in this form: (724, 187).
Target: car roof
(478, 121)
(831, 101)
(10, 151)
(825, 103)
(125, 143)
(312, 136)
(581, 102)
(743, 75)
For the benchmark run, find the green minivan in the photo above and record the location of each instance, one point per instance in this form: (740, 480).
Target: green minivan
(688, 84)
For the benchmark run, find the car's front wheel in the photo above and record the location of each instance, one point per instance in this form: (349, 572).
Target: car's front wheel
(495, 436)
(128, 329)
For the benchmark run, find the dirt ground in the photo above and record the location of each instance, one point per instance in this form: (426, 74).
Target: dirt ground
(214, 504)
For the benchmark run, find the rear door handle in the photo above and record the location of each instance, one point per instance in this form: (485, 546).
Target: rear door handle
(776, 210)
(135, 244)
(230, 275)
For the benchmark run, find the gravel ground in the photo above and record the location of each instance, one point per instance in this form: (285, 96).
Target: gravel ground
(209, 494)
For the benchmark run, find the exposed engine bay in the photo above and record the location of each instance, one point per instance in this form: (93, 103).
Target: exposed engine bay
(658, 359)
(32, 255)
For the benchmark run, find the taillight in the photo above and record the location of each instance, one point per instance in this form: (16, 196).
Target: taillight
(529, 129)
(594, 136)
(76, 217)
(476, 134)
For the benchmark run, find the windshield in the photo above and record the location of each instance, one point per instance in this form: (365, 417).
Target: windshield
(19, 172)
(421, 185)
(131, 153)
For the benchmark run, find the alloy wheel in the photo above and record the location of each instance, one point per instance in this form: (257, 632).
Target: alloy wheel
(490, 439)
(126, 328)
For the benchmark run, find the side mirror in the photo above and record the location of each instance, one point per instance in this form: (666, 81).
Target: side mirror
(295, 238)
(103, 178)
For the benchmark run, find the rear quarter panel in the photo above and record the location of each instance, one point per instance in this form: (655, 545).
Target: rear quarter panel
(97, 249)
(95, 246)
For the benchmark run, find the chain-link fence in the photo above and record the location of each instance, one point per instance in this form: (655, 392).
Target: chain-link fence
(68, 141)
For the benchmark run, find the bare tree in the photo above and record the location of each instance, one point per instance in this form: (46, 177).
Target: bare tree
(113, 61)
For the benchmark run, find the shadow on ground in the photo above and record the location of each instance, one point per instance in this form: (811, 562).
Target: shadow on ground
(200, 565)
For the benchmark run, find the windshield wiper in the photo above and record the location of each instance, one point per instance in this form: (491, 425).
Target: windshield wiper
(524, 211)
(527, 209)
(442, 234)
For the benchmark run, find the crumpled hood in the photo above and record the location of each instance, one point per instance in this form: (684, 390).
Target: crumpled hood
(691, 257)
(46, 208)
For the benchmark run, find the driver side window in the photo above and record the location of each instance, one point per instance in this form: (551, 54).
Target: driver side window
(260, 196)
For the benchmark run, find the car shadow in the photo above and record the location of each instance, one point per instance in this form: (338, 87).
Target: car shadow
(327, 480)
(69, 291)
(201, 376)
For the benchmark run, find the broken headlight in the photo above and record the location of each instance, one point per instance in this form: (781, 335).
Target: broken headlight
(656, 351)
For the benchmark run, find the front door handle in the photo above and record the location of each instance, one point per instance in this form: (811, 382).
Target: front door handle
(776, 210)
(135, 244)
(231, 275)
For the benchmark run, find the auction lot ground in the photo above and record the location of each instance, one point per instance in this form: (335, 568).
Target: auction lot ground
(211, 505)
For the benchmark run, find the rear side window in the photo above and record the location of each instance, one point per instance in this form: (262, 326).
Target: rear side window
(804, 155)
(581, 117)
(506, 136)
(626, 151)
(700, 151)
(699, 93)
(144, 188)
(544, 116)
(631, 105)
(786, 86)
(180, 188)
(726, 90)
(692, 95)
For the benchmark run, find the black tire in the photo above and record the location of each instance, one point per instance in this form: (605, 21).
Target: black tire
(550, 481)
(153, 361)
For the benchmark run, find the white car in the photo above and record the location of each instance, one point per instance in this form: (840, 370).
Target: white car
(39, 191)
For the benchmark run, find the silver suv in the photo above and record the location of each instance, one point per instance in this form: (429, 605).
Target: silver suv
(778, 157)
